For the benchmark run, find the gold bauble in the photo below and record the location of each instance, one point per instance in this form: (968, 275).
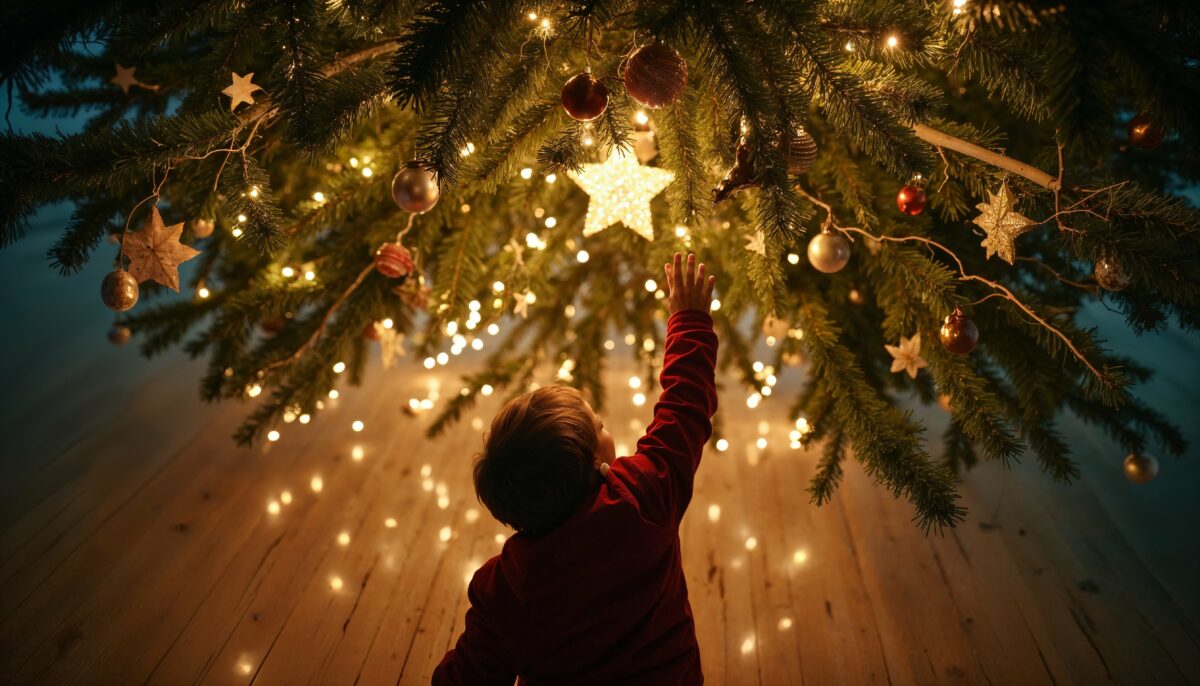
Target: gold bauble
(415, 189)
(828, 252)
(119, 335)
(1110, 275)
(119, 290)
(1140, 468)
(203, 228)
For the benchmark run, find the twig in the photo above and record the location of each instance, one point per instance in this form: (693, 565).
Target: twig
(945, 140)
(324, 320)
(999, 290)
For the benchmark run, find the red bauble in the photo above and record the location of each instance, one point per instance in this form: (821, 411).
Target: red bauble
(272, 325)
(370, 332)
(959, 334)
(584, 98)
(911, 200)
(1144, 133)
(655, 75)
(393, 261)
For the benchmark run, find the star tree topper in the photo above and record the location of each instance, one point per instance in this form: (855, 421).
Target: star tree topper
(241, 89)
(155, 252)
(620, 190)
(1002, 223)
(907, 355)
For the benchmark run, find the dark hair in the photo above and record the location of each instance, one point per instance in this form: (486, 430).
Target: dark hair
(538, 459)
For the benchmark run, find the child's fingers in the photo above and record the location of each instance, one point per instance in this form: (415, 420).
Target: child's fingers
(690, 278)
(712, 281)
(699, 283)
(667, 270)
(677, 273)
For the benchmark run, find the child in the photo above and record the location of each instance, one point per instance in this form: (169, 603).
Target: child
(590, 590)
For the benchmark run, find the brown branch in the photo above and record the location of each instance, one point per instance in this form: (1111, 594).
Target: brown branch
(945, 140)
(316, 335)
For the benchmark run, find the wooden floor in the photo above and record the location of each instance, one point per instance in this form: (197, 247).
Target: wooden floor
(137, 544)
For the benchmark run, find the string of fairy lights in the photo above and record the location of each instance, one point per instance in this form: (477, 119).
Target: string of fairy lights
(619, 177)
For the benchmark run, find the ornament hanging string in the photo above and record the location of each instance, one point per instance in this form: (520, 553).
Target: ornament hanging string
(1000, 290)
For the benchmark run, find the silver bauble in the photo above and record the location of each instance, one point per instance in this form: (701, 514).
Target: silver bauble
(828, 252)
(415, 189)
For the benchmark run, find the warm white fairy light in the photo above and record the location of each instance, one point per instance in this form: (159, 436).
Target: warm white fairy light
(442, 358)
(390, 522)
(639, 399)
(681, 232)
(753, 400)
(526, 173)
(751, 543)
(427, 485)
(471, 515)
(551, 178)
(272, 435)
(648, 344)
(310, 275)
(714, 512)
(254, 390)
(620, 191)
(486, 389)
(715, 305)
(242, 218)
(286, 497)
(610, 344)
(748, 645)
(357, 425)
(477, 344)
(635, 382)
(367, 172)
(444, 534)
(493, 329)
(893, 40)
(761, 442)
(785, 623)
(357, 453)
(273, 507)
(793, 258)
(800, 557)
(443, 502)
(849, 46)
(202, 292)
(318, 196)
(237, 233)
(317, 484)
(722, 445)
(343, 539)
(551, 222)
(339, 367)
(336, 583)
(499, 539)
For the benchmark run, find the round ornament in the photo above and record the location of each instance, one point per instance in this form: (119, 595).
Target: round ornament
(203, 228)
(655, 75)
(856, 297)
(959, 334)
(1144, 133)
(944, 402)
(828, 252)
(119, 335)
(1140, 468)
(370, 332)
(1109, 275)
(272, 325)
(801, 152)
(911, 200)
(584, 98)
(119, 290)
(393, 261)
(415, 189)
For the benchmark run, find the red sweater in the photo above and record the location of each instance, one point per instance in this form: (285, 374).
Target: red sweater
(602, 598)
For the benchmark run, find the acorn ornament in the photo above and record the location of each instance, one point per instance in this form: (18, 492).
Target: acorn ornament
(911, 200)
(1110, 275)
(800, 151)
(394, 261)
(655, 75)
(119, 290)
(959, 334)
(1140, 468)
(1144, 133)
(415, 189)
(583, 97)
(828, 252)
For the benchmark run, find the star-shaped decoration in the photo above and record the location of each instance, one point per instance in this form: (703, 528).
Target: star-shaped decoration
(240, 91)
(391, 344)
(620, 191)
(907, 355)
(522, 305)
(125, 78)
(155, 252)
(757, 243)
(1002, 223)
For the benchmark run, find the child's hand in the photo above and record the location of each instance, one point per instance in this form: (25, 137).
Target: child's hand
(688, 290)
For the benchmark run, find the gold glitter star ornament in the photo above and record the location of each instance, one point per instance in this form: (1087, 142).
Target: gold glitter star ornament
(1002, 223)
(155, 252)
(907, 355)
(620, 190)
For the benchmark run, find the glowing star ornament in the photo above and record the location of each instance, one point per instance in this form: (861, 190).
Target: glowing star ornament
(907, 355)
(620, 191)
(522, 305)
(240, 90)
(155, 252)
(391, 344)
(757, 244)
(1002, 223)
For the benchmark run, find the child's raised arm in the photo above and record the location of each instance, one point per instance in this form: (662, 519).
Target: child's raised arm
(664, 467)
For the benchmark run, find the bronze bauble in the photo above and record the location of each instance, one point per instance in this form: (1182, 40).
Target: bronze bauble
(119, 290)
(415, 189)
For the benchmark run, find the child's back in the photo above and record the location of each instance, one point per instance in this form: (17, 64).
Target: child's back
(601, 598)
